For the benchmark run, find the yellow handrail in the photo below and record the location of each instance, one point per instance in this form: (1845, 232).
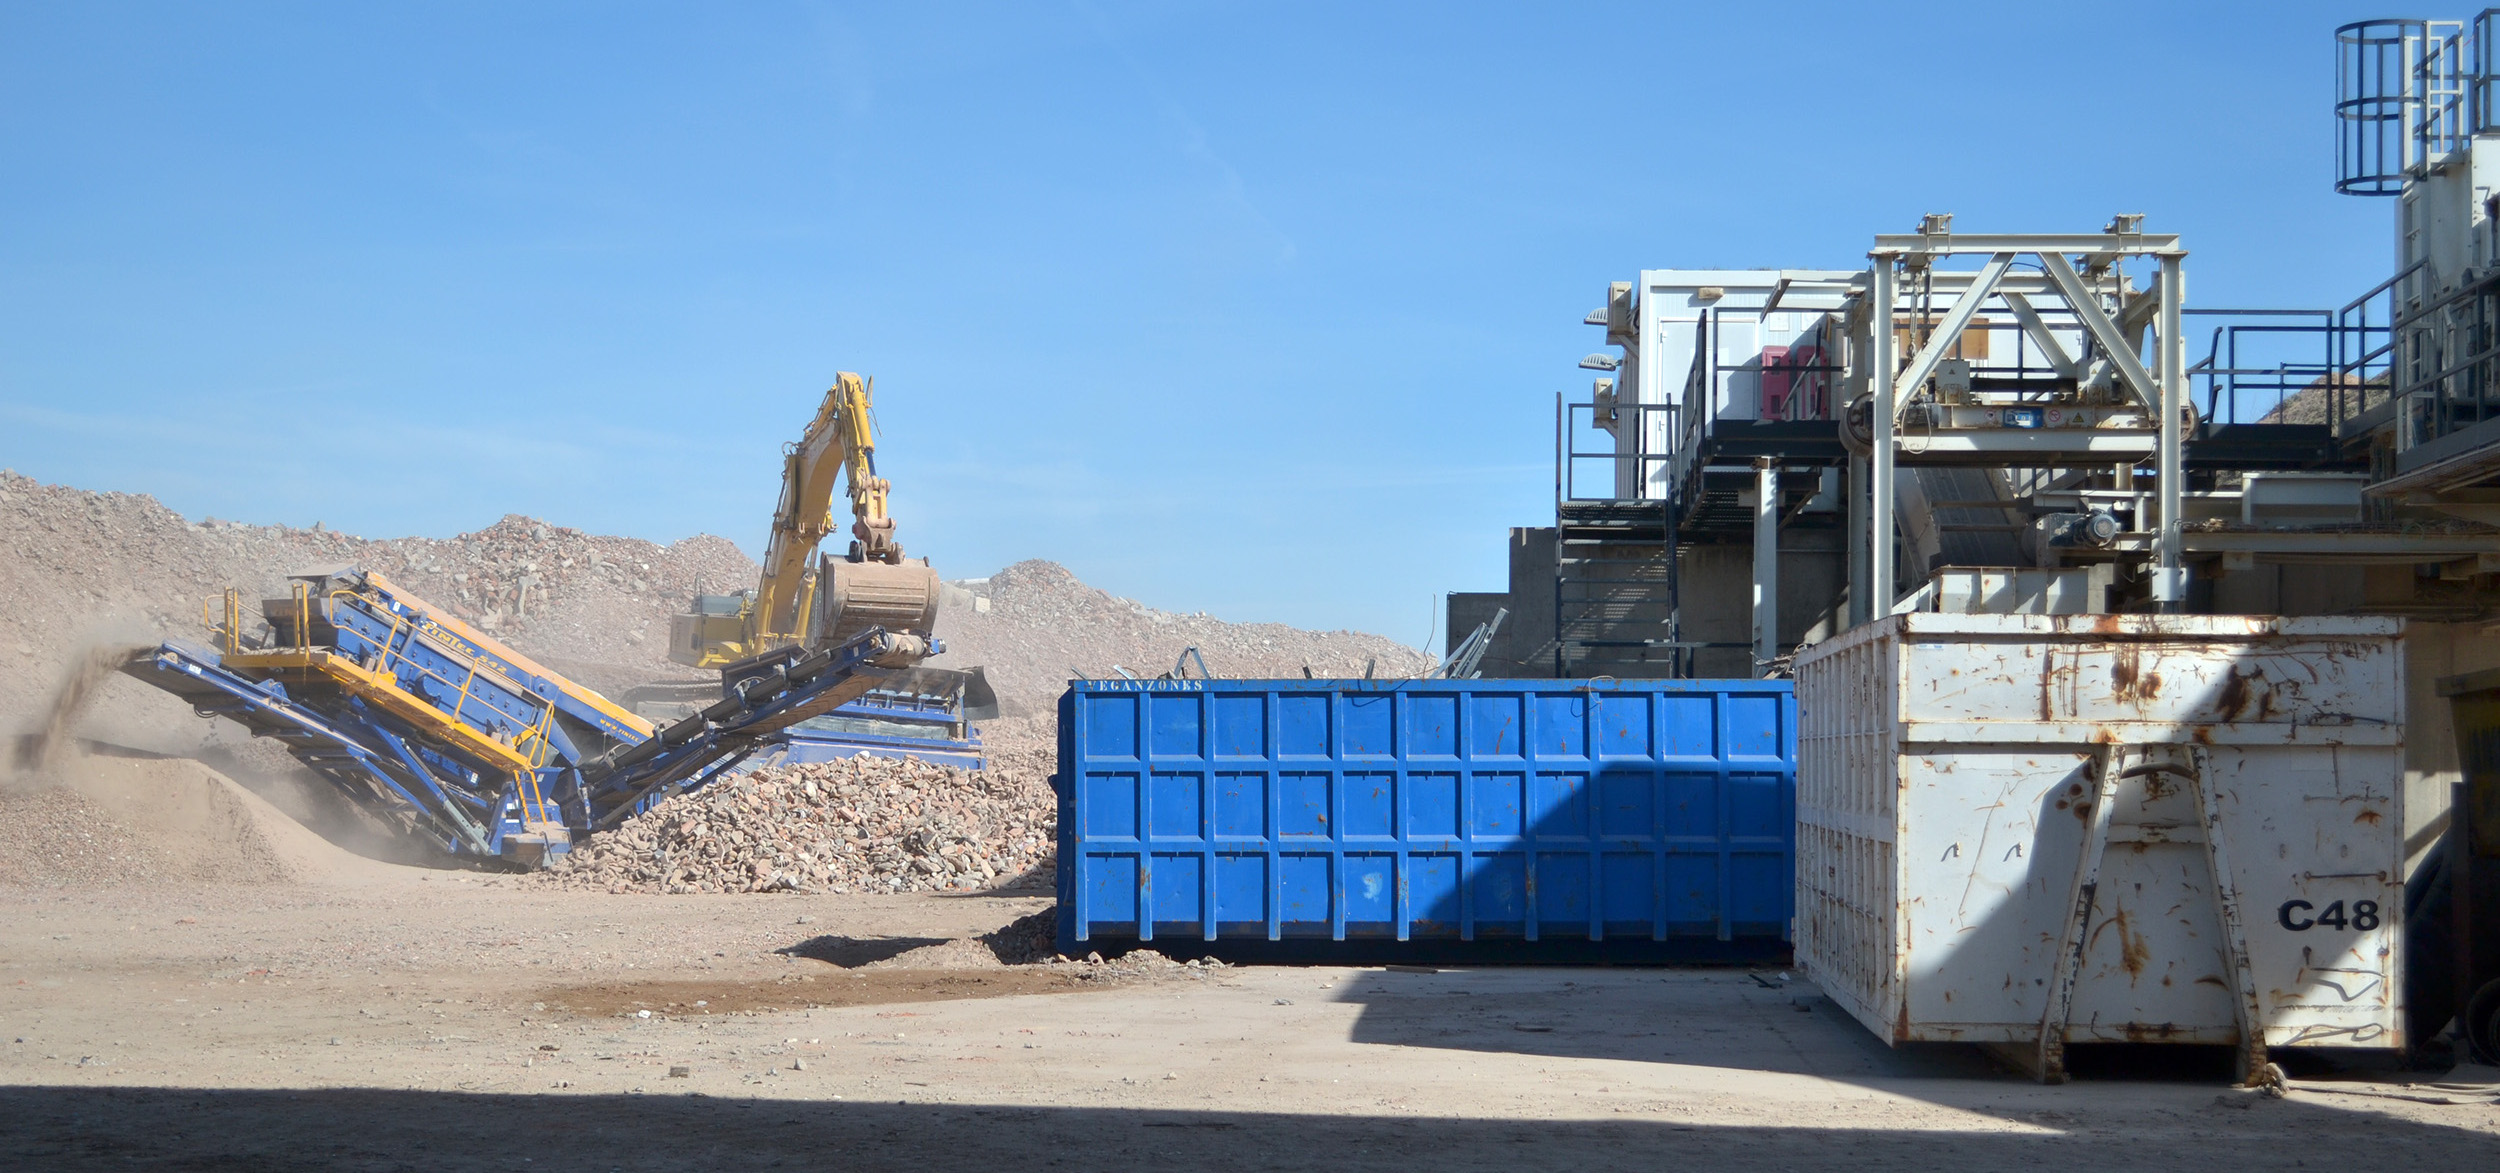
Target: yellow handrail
(229, 631)
(530, 742)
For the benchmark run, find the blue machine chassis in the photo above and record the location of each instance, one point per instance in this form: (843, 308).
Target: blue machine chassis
(381, 764)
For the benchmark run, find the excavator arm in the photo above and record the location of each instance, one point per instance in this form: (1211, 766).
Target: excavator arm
(800, 601)
(838, 443)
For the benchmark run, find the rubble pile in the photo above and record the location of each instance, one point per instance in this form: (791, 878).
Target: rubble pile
(592, 606)
(1036, 626)
(79, 566)
(60, 837)
(857, 825)
(84, 570)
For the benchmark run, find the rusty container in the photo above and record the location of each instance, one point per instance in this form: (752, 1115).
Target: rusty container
(2009, 829)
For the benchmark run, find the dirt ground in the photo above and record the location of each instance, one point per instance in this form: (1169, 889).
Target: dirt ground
(372, 1016)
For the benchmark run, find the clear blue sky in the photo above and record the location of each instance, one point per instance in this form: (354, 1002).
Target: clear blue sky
(1253, 308)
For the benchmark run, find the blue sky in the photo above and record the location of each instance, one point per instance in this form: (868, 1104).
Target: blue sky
(1259, 309)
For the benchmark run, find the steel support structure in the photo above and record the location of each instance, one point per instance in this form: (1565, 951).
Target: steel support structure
(2169, 575)
(1766, 563)
(2098, 307)
(1860, 610)
(1882, 362)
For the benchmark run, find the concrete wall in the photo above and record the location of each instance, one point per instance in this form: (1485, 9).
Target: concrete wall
(1525, 645)
(2280, 589)
(1716, 589)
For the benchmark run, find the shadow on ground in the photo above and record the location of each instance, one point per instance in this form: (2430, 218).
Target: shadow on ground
(445, 1132)
(849, 952)
(1740, 1020)
(1709, 1018)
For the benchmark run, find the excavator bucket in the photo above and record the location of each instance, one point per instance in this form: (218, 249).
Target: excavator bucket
(855, 596)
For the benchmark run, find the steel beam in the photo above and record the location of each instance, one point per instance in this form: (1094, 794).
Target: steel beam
(2049, 446)
(1949, 331)
(2328, 545)
(2169, 577)
(1855, 518)
(1948, 244)
(1766, 563)
(2105, 333)
(1879, 520)
(2047, 340)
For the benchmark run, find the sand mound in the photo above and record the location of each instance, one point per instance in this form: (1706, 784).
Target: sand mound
(101, 820)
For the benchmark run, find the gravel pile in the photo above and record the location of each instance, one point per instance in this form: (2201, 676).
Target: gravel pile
(92, 822)
(77, 567)
(1035, 626)
(81, 569)
(65, 838)
(858, 825)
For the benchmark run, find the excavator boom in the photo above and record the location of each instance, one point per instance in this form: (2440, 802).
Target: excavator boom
(839, 442)
(800, 601)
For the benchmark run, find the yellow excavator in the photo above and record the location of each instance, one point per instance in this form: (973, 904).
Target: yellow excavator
(800, 601)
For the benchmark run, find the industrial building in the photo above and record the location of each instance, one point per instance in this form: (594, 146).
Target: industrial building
(2048, 423)
(1974, 492)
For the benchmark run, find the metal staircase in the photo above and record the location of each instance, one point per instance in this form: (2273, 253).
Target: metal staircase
(1614, 591)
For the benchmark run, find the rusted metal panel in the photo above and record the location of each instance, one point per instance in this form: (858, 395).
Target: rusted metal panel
(1947, 766)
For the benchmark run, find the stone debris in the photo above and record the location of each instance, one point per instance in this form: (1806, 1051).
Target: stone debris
(1027, 940)
(1146, 963)
(87, 570)
(1034, 625)
(857, 825)
(591, 606)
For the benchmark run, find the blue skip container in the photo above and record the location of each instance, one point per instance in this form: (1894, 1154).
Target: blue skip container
(1458, 820)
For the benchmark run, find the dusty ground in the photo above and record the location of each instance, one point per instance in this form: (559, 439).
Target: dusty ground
(379, 1017)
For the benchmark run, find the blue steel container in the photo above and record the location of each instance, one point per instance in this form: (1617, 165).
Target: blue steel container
(1512, 819)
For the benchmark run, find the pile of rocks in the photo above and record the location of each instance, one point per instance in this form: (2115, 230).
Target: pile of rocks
(592, 597)
(1035, 626)
(79, 566)
(857, 825)
(57, 836)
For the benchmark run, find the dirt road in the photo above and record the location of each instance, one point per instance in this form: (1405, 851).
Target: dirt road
(389, 1018)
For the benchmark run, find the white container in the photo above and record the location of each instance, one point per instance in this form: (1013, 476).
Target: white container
(2006, 590)
(1946, 770)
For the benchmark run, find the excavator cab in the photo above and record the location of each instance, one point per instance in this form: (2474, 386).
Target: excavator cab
(704, 635)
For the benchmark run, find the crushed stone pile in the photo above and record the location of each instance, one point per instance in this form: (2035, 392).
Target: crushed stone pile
(99, 821)
(83, 571)
(70, 839)
(78, 566)
(1035, 626)
(857, 825)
